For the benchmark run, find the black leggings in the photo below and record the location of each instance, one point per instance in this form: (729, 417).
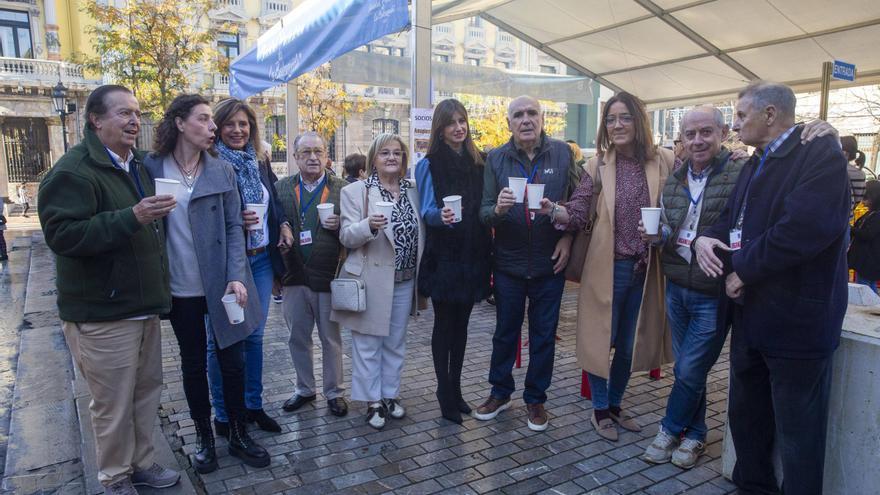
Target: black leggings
(188, 321)
(448, 342)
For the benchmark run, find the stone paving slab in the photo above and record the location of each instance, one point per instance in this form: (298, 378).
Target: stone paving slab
(317, 453)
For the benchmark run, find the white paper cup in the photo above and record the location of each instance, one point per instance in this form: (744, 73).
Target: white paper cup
(384, 208)
(261, 214)
(651, 220)
(454, 202)
(234, 312)
(536, 194)
(167, 186)
(325, 210)
(518, 185)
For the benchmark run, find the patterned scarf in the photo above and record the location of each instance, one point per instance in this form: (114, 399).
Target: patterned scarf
(405, 226)
(247, 170)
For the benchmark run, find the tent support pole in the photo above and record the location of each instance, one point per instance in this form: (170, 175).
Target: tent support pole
(292, 123)
(420, 91)
(826, 86)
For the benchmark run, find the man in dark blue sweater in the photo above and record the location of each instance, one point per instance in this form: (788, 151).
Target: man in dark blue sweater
(782, 240)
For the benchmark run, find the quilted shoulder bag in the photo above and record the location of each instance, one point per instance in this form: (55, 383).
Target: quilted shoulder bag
(349, 294)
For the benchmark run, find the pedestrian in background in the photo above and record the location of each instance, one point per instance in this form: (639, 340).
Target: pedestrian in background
(455, 267)
(3, 253)
(24, 199)
(355, 166)
(207, 261)
(864, 252)
(855, 167)
(238, 142)
(384, 253)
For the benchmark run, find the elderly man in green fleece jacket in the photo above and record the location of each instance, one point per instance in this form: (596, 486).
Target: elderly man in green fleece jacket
(103, 222)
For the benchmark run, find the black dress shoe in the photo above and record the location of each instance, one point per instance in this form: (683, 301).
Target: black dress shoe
(463, 407)
(338, 406)
(221, 428)
(296, 402)
(263, 420)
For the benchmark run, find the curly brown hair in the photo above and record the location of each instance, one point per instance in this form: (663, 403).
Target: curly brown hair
(166, 131)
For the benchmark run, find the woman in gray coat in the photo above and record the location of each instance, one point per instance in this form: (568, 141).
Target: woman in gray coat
(206, 259)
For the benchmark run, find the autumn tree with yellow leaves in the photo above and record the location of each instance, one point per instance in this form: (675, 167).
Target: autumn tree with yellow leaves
(488, 119)
(323, 103)
(151, 46)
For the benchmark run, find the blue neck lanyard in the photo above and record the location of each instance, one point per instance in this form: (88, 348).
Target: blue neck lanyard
(763, 160)
(316, 193)
(529, 179)
(134, 175)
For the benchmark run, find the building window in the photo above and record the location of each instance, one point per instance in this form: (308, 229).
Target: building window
(507, 65)
(441, 58)
(15, 34)
(227, 44)
(476, 22)
(385, 126)
(547, 69)
(386, 91)
(472, 61)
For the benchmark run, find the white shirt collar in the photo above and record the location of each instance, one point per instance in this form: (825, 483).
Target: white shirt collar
(118, 159)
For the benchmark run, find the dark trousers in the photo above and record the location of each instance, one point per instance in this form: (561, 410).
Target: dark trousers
(448, 342)
(544, 296)
(2, 244)
(781, 401)
(188, 321)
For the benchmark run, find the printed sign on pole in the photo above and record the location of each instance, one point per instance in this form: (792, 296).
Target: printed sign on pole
(844, 71)
(420, 124)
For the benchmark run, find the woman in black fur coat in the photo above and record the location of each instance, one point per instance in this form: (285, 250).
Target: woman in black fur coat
(454, 271)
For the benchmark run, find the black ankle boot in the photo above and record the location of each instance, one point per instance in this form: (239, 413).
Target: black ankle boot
(460, 403)
(448, 408)
(241, 445)
(205, 458)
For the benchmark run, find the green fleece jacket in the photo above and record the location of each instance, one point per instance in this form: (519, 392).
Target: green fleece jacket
(109, 266)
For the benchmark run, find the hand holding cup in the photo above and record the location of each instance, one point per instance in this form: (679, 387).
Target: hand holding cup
(505, 202)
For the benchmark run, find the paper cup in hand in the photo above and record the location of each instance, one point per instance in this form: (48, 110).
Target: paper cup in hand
(325, 210)
(651, 220)
(454, 202)
(384, 208)
(234, 312)
(167, 187)
(536, 194)
(518, 185)
(261, 214)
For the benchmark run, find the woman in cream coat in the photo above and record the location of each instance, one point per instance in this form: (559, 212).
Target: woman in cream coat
(384, 253)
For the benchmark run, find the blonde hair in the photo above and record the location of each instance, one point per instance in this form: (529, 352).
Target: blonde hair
(379, 143)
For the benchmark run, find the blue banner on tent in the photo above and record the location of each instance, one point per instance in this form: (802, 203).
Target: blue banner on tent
(843, 71)
(315, 32)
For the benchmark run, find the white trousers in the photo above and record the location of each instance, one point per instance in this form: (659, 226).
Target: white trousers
(377, 362)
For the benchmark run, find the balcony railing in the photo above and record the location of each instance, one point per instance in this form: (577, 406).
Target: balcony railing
(229, 3)
(275, 7)
(27, 70)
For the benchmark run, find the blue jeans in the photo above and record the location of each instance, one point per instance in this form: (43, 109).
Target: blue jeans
(866, 281)
(545, 296)
(261, 268)
(625, 305)
(696, 343)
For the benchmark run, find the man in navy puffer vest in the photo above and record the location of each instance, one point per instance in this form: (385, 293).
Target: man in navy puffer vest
(530, 255)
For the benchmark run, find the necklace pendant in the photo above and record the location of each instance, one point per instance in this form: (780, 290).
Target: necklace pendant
(189, 188)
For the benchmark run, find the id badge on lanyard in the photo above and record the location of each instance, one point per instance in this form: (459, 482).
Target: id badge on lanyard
(685, 238)
(735, 239)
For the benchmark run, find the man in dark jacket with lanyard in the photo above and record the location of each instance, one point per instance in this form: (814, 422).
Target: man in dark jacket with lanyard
(785, 226)
(101, 219)
(310, 265)
(530, 255)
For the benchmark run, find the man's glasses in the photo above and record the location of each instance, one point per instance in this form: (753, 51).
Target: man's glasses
(318, 152)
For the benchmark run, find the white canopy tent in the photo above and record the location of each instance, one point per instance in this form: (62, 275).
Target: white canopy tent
(674, 52)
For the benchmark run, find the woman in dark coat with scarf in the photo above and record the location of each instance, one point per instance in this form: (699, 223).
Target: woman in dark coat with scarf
(238, 142)
(455, 267)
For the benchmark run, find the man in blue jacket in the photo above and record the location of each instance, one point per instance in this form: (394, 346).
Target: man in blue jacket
(530, 255)
(783, 237)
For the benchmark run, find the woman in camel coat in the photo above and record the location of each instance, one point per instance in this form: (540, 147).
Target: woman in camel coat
(621, 299)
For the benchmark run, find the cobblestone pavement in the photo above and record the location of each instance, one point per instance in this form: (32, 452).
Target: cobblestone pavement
(317, 453)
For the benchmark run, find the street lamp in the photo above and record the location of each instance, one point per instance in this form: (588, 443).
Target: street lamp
(59, 100)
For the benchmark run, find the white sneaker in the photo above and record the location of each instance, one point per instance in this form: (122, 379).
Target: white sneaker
(376, 415)
(395, 410)
(661, 449)
(686, 455)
